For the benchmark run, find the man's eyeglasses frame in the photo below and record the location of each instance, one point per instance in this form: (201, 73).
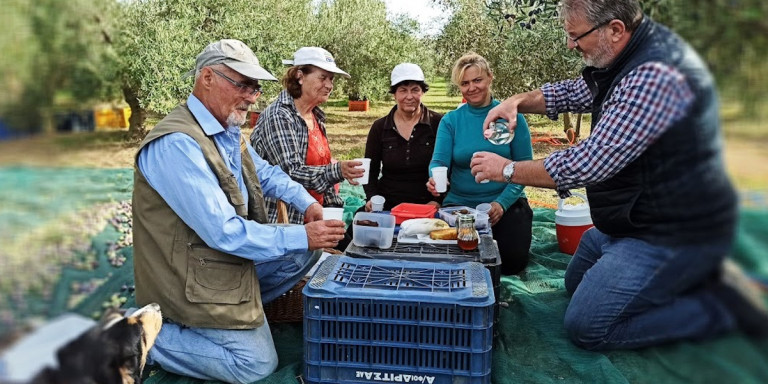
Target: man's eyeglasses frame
(251, 89)
(576, 39)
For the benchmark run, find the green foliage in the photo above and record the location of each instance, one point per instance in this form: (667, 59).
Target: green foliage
(160, 40)
(55, 47)
(731, 36)
(365, 44)
(521, 58)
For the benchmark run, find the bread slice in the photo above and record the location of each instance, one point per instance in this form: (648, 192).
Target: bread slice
(444, 234)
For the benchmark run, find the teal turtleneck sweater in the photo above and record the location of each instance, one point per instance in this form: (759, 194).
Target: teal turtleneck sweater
(459, 135)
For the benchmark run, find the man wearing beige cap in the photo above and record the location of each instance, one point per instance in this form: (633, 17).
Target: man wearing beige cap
(201, 248)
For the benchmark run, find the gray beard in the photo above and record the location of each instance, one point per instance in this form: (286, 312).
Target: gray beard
(604, 55)
(233, 120)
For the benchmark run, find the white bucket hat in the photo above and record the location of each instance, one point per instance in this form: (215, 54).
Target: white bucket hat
(406, 72)
(315, 56)
(234, 54)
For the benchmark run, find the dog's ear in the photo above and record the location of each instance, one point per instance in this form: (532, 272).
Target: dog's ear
(111, 315)
(126, 337)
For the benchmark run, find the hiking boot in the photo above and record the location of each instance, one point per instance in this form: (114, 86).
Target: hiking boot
(743, 298)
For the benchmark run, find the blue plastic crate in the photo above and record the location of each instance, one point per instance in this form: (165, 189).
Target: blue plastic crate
(373, 320)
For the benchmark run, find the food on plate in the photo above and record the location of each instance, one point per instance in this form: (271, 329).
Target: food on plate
(367, 223)
(462, 211)
(444, 234)
(412, 227)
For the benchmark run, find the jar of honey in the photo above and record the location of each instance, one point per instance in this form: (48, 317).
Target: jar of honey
(467, 236)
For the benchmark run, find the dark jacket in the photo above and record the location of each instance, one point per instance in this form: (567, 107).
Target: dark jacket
(677, 192)
(404, 164)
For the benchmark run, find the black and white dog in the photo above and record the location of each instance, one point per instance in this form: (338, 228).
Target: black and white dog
(111, 352)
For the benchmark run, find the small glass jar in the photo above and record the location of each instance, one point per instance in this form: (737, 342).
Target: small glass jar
(500, 133)
(467, 236)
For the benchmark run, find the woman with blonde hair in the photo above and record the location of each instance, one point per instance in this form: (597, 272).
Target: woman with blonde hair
(459, 136)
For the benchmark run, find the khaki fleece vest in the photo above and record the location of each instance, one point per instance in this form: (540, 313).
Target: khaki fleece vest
(194, 284)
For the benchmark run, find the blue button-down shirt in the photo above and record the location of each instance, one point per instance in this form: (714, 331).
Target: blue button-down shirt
(175, 167)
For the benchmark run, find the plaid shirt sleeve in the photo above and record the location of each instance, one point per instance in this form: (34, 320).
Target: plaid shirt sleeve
(567, 96)
(641, 108)
(283, 141)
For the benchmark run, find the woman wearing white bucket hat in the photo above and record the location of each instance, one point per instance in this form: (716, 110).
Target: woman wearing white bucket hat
(291, 131)
(400, 144)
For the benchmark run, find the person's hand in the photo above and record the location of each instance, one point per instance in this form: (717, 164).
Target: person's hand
(507, 110)
(350, 171)
(496, 212)
(368, 206)
(431, 187)
(435, 203)
(488, 166)
(313, 213)
(324, 233)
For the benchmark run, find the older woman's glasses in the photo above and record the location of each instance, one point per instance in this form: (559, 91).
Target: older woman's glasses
(575, 40)
(251, 89)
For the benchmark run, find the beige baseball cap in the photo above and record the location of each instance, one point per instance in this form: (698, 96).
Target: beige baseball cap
(234, 54)
(316, 56)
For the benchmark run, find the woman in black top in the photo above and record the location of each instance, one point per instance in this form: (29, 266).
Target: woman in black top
(400, 144)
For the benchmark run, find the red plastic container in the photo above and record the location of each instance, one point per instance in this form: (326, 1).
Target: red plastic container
(405, 211)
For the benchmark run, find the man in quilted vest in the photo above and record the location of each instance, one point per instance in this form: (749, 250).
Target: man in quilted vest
(653, 269)
(202, 249)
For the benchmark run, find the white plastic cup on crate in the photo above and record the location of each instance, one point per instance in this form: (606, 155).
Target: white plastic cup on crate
(332, 213)
(377, 203)
(481, 220)
(440, 175)
(366, 170)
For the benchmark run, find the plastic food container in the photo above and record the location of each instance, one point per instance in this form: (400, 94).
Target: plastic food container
(450, 214)
(381, 236)
(405, 211)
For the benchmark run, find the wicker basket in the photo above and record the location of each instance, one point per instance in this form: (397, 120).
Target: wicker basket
(288, 308)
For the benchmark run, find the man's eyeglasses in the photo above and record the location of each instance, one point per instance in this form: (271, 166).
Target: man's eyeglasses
(251, 89)
(575, 40)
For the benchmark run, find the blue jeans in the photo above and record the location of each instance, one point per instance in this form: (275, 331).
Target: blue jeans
(232, 356)
(628, 293)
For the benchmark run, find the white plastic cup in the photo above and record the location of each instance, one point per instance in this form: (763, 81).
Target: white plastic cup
(481, 181)
(440, 175)
(366, 168)
(377, 203)
(481, 220)
(332, 213)
(484, 208)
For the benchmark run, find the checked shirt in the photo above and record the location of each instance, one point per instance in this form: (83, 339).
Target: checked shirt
(640, 109)
(281, 137)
